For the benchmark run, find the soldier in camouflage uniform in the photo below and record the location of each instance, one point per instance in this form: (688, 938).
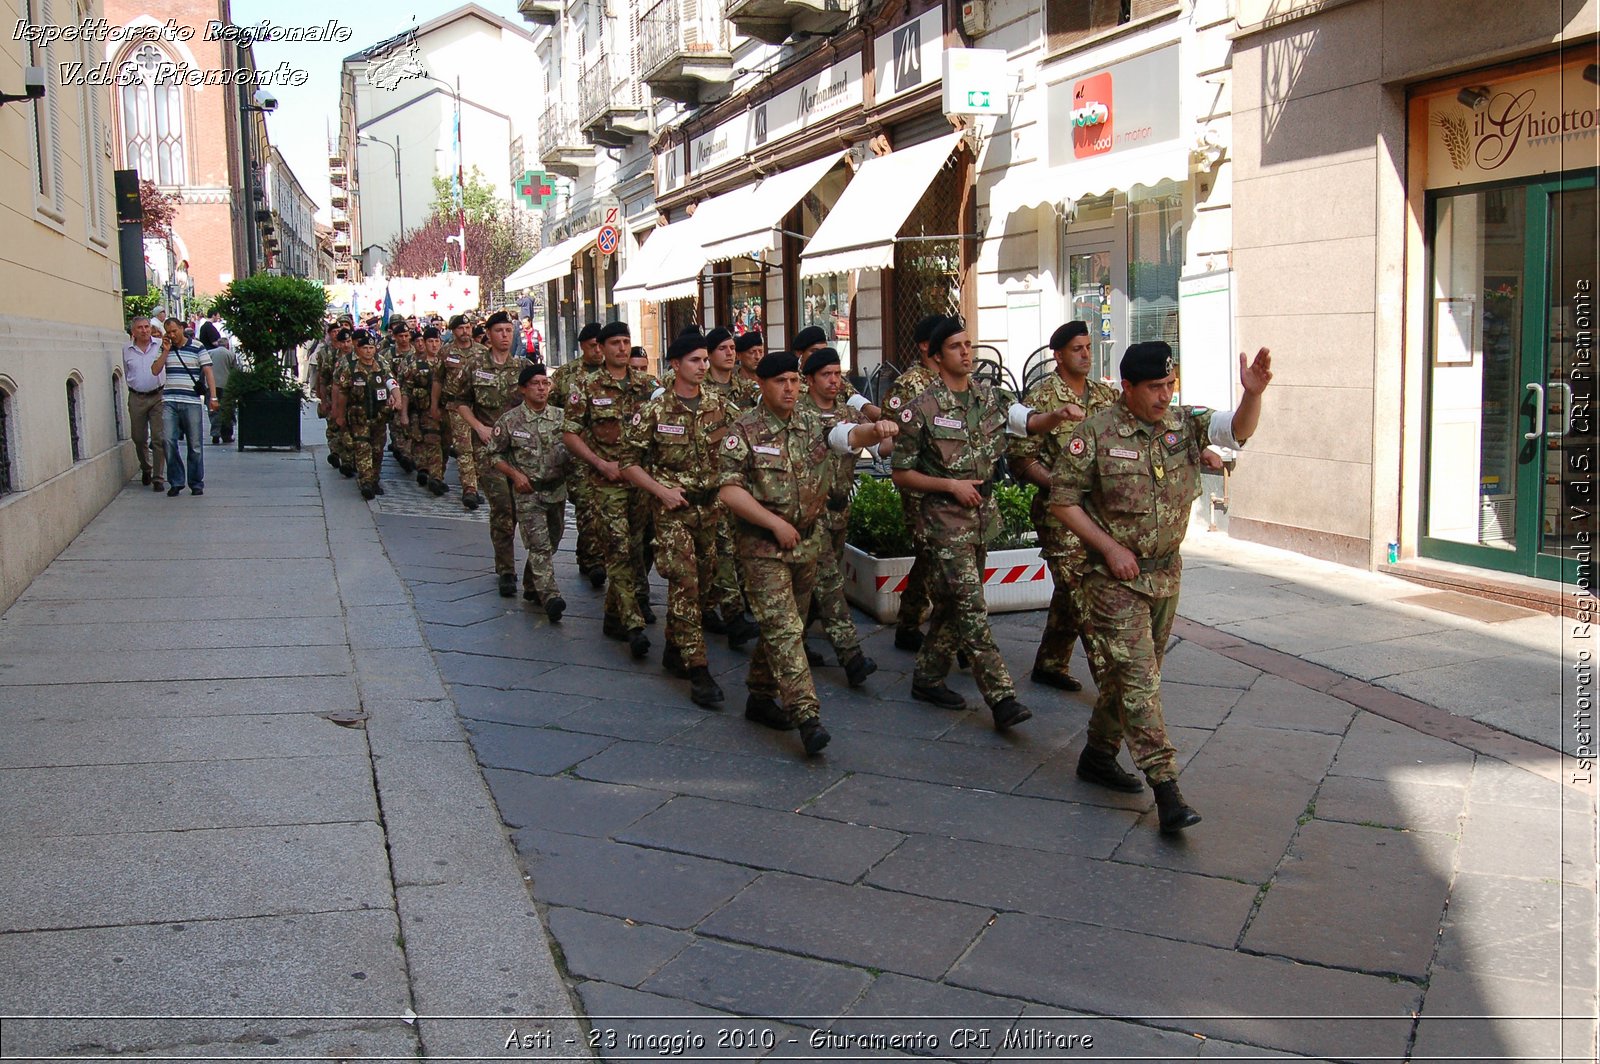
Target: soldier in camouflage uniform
(527, 449)
(401, 350)
(341, 450)
(727, 597)
(455, 355)
(672, 454)
(776, 476)
(591, 543)
(750, 348)
(423, 418)
(481, 389)
(914, 604)
(824, 380)
(321, 374)
(812, 338)
(1124, 485)
(365, 397)
(598, 410)
(952, 436)
(1031, 460)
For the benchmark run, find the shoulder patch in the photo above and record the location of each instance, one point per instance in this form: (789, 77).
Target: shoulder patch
(733, 441)
(1170, 439)
(894, 402)
(1077, 446)
(637, 418)
(905, 416)
(575, 400)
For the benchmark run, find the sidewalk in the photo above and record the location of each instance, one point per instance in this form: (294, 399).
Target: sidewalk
(1384, 870)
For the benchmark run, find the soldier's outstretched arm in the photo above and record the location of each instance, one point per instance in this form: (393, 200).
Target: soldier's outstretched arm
(1253, 378)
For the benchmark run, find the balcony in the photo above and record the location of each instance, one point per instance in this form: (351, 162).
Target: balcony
(611, 105)
(773, 21)
(337, 175)
(339, 200)
(341, 225)
(686, 50)
(341, 245)
(562, 148)
(540, 12)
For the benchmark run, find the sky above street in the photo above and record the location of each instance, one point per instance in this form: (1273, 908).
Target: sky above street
(308, 115)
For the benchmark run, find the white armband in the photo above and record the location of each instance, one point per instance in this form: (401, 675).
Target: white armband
(839, 438)
(875, 452)
(857, 401)
(1017, 419)
(658, 393)
(1221, 432)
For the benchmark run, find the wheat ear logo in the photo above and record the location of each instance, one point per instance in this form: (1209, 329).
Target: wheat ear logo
(1454, 128)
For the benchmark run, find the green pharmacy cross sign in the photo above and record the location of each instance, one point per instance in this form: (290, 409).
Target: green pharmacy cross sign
(977, 98)
(535, 189)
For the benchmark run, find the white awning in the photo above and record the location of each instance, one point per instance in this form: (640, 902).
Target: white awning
(678, 276)
(549, 263)
(859, 232)
(1037, 186)
(652, 259)
(750, 230)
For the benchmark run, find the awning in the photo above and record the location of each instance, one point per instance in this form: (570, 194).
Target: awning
(652, 258)
(859, 232)
(549, 263)
(749, 231)
(1037, 186)
(678, 275)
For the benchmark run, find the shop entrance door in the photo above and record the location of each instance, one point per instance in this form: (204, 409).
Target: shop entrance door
(1510, 469)
(1094, 299)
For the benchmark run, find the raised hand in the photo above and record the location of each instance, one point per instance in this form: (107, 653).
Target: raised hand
(1255, 376)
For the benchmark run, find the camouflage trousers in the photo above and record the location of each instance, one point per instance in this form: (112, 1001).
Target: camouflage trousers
(914, 600)
(1066, 622)
(541, 524)
(1128, 635)
(466, 443)
(427, 446)
(365, 448)
(622, 514)
(727, 594)
(828, 605)
(591, 545)
(502, 511)
(330, 431)
(780, 596)
(960, 621)
(400, 439)
(686, 556)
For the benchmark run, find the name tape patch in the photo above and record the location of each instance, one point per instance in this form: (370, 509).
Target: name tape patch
(1120, 452)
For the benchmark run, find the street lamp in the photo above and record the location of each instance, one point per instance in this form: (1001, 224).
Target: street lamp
(399, 187)
(461, 179)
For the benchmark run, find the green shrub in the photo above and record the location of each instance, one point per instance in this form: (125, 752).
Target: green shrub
(1015, 502)
(271, 316)
(139, 306)
(877, 524)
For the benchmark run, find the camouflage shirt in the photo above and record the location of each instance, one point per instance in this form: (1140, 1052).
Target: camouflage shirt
(600, 406)
(366, 388)
(784, 465)
(960, 436)
(677, 443)
(1047, 396)
(417, 378)
(490, 389)
(906, 387)
(740, 390)
(1137, 481)
(531, 440)
(565, 380)
(844, 478)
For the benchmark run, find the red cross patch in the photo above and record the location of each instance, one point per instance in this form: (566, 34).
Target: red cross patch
(574, 401)
(1076, 447)
(906, 416)
(894, 402)
(733, 441)
(1170, 439)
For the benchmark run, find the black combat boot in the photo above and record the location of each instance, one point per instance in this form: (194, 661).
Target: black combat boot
(422, 478)
(1008, 712)
(645, 611)
(554, 607)
(703, 690)
(638, 643)
(1173, 811)
(937, 693)
(813, 736)
(1051, 678)
(858, 668)
(612, 628)
(508, 585)
(438, 487)
(764, 709)
(908, 639)
(471, 500)
(711, 621)
(1100, 768)
(597, 577)
(813, 657)
(740, 631)
(672, 661)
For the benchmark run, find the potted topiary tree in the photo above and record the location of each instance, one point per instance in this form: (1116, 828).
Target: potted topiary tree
(271, 316)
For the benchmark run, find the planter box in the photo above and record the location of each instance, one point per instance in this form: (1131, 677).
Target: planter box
(268, 421)
(1013, 580)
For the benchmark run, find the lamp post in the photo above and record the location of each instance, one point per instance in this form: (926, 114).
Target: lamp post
(399, 187)
(461, 179)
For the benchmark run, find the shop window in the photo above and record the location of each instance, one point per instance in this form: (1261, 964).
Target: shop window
(1067, 22)
(824, 300)
(676, 315)
(74, 427)
(7, 473)
(927, 264)
(1155, 261)
(741, 289)
(119, 405)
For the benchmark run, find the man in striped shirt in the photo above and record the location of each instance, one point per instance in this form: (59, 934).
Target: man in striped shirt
(189, 389)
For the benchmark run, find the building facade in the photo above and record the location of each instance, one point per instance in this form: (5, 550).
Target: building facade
(288, 241)
(63, 403)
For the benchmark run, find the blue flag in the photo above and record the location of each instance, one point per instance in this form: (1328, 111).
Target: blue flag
(388, 308)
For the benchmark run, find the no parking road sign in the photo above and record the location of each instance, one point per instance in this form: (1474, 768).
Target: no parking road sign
(607, 239)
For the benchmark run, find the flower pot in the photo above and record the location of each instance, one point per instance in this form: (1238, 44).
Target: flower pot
(267, 420)
(1012, 580)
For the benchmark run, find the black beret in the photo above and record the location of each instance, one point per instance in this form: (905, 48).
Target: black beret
(1148, 361)
(819, 359)
(717, 337)
(590, 331)
(689, 340)
(363, 337)
(1068, 333)
(810, 336)
(499, 317)
(638, 352)
(343, 334)
(925, 327)
(399, 323)
(942, 332)
(458, 321)
(753, 338)
(430, 333)
(613, 329)
(530, 372)
(776, 363)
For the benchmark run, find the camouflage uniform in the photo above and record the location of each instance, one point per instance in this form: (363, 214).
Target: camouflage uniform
(740, 390)
(490, 390)
(366, 388)
(400, 435)
(1137, 481)
(427, 448)
(960, 435)
(530, 440)
(914, 602)
(785, 466)
(591, 545)
(677, 444)
(597, 409)
(828, 600)
(329, 362)
(727, 591)
(454, 356)
(1061, 550)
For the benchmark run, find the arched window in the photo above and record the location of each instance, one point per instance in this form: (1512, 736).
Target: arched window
(119, 404)
(8, 473)
(152, 118)
(74, 426)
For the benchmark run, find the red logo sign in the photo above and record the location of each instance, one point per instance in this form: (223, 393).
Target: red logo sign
(1091, 116)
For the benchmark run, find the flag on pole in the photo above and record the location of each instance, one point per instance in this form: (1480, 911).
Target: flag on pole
(388, 307)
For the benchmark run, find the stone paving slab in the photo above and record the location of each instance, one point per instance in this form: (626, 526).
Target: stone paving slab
(613, 950)
(579, 807)
(1472, 1017)
(1044, 1033)
(73, 667)
(30, 610)
(757, 982)
(59, 742)
(1542, 932)
(540, 751)
(932, 1019)
(1273, 702)
(227, 637)
(1529, 844)
(514, 707)
(763, 838)
(781, 784)
(628, 1024)
(185, 698)
(1400, 804)
(1379, 749)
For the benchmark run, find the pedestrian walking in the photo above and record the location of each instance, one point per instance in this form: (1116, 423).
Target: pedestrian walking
(591, 556)
(144, 369)
(526, 448)
(366, 397)
(189, 391)
(224, 360)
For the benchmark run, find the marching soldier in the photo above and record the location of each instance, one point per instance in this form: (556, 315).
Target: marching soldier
(775, 478)
(482, 388)
(672, 454)
(365, 397)
(910, 384)
(591, 545)
(401, 352)
(423, 418)
(456, 353)
(1124, 485)
(750, 348)
(812, 338)
(597, 410)
(952, 437)
(334, 357)
(1031, 459)
(728, 597)
(527, 449)
(321, 375)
